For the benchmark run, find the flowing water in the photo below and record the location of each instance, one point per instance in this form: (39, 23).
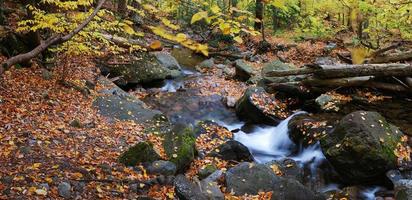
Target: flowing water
(266, 143)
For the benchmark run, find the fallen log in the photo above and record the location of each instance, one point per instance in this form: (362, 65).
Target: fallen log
(397, 57)
(341, 71)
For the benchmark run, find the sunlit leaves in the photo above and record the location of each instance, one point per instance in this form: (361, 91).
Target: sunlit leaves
(199, 16)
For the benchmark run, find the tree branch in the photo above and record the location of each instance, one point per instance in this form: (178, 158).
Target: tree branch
(53, 40)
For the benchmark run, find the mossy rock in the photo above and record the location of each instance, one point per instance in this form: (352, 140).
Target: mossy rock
(179, 145)
(142, 68)
(139, 153)
(361, 147)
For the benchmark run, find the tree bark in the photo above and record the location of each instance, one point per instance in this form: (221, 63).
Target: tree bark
(404, 56)
(53, 40)
(259, 15)
(341, 71)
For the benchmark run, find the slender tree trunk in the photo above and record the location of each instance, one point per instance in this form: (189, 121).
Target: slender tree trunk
(2, 17)
(53, 40)
(259, 15)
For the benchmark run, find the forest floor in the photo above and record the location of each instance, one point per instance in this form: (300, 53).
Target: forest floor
(43, 144)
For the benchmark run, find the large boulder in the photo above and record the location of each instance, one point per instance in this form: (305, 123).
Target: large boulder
(116, 104)
(251, 178)
(251, 107)
(139, 153)
(361, 147)
(139, 68)
(179, 145)
(243, 71)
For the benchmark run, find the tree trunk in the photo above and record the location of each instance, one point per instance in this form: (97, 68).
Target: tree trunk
(259, 15)
(53, 40)
(397, 57)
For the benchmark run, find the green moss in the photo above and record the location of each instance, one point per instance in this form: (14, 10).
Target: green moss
(139, 153)
(179, 146)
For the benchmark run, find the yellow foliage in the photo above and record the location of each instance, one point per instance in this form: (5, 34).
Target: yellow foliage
(359, 55)
(199, 16)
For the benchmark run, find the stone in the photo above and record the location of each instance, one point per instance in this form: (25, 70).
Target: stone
(76, 123)
(167, 61)
(162, 167)
(287, 168)
(250, 178)
(64, 190)
(186, 190)
(211, 190)
(232, 150)
(142, 68)
(179, 145)
(46, 74)
(248, 111)
(230, 101)
(209, 63)
(116, 104)
(206, 171)
(361, 147)
(139, 153)
(243, 71)
(306, 130)
(327, 102)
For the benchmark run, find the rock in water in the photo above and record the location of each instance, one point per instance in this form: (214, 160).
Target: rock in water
(233, 150)
(179, 145)
(306, 130)
(139, 153)
(361, 147)
(142, 68)
(247, 109)
(243, 71)
(186, 190)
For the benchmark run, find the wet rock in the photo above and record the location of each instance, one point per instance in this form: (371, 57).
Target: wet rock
(361, 147)
(162, 167)
(179, 146)
(115, 103)
(142, 68)
(139, 153)
(207, 171)
(243, 71)
(306, 130)
(402, 182)
(247, 110)
(186, 190)
(174, 74)
(214, 176)
(167, 60)
(186, 57)
(232, 150)
(64, 190)
(250, 178)
(287, 168)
